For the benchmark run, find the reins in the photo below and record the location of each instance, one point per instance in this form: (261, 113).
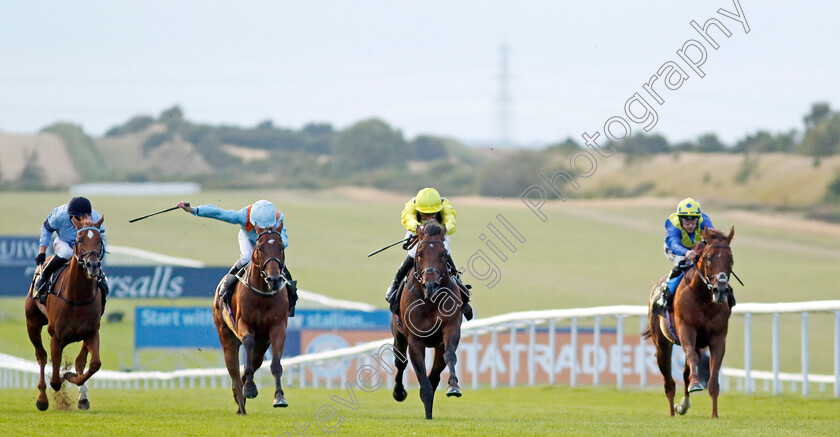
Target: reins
(244, 279)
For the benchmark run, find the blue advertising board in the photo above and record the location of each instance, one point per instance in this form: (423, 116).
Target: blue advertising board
(138, 282)
(18, 250)
(192, 327)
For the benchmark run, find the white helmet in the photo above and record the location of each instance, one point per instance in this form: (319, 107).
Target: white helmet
(263, 214)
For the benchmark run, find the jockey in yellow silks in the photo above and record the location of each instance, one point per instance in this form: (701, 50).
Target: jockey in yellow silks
(683, 231)
(428, 205)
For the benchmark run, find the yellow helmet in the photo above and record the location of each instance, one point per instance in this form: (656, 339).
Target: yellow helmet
(428, 201)
(688, 208)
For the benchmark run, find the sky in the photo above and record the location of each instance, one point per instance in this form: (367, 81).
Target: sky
(429, 67)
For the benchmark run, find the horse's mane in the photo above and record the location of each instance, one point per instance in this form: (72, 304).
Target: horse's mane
(715, 236)
(432, 227)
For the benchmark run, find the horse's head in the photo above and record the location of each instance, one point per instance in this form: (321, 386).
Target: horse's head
(89, 249)
(269, 256)
(715, 262)
(430, 268)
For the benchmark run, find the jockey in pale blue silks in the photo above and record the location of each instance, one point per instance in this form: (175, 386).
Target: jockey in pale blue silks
(261, 213)
(59, 222)
(683, 231)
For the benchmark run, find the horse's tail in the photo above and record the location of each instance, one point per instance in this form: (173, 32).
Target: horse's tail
(646, 334)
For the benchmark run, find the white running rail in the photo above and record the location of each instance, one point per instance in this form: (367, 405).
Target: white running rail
(18, 373)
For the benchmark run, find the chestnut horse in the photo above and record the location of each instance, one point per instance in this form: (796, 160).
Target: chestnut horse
(256, 318)
(72, 313)
(429, 316)
(700, 319)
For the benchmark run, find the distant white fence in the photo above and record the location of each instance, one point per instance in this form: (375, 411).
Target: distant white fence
(299, 371)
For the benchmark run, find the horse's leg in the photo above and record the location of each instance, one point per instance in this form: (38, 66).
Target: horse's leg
(257, 358)
(400, 346)
(452, 337)
(34, 330)
(92, 344)
(230, 347)
(437, 367)
(250, 390)
(81, 361)
(688, 339)
(663, 359)
(685, 404)
(278, 342)
(56, 349)
(417, 354)
(717, 347)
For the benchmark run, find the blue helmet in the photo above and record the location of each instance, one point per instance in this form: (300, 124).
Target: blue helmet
(263, 214)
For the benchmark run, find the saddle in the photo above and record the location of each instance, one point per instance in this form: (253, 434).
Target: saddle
(50, 287)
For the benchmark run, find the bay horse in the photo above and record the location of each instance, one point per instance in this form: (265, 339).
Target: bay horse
(429, 316)
(256, 318)
(72, 313)
(700, 319)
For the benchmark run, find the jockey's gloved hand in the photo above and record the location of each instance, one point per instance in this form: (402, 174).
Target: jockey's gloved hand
(40, 259)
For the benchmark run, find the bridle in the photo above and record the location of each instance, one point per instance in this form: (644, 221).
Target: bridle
(81, 258)
(419, 274)
(264, 264)
(722, 278)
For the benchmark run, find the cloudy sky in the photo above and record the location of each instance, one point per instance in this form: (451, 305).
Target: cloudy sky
(424, 67)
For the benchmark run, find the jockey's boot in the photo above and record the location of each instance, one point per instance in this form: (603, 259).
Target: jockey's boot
(102, 281)
(401, 272)
(46, 271)
(466, 309)
(226, 293)
(291, 288)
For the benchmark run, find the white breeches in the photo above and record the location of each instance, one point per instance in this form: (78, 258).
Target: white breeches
(246, 248)
(62, 249)
(673, 257)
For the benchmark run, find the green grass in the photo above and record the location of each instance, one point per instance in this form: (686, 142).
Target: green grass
(536, 411)
(585, 254)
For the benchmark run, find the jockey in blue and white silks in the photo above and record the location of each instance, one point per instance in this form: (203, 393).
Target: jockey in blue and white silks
(261, 213)
(59, 222)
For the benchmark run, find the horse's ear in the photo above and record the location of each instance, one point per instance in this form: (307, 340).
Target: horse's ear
(279, 228)
(99, 223)
(421, 232)
(76, 222)
(731, 234)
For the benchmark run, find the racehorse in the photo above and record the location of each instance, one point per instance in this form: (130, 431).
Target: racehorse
(700, 319)
(72, 313)
(256, 318)
(429, 316)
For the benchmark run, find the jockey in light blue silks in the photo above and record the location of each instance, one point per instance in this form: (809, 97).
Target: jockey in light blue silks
(683, 231)
(261, 213)
(59, 222)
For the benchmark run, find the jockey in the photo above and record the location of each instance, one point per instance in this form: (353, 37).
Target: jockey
(427, 205)
(683, 231)
(261, 213)
(59, 222)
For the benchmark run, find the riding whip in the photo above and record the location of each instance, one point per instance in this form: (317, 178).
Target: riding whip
(156, 213)
(390, 245)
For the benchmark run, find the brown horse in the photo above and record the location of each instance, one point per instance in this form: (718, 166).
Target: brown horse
(72, 313)
(256, 318)
(429, 316)
(700, 319)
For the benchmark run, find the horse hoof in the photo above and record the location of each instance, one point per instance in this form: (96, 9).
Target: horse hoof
(250, 390)
(280, 403)
(42, 406)
(84, 405)
(453, 391)
(429, 417)
(695, 386)
(400, 396)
